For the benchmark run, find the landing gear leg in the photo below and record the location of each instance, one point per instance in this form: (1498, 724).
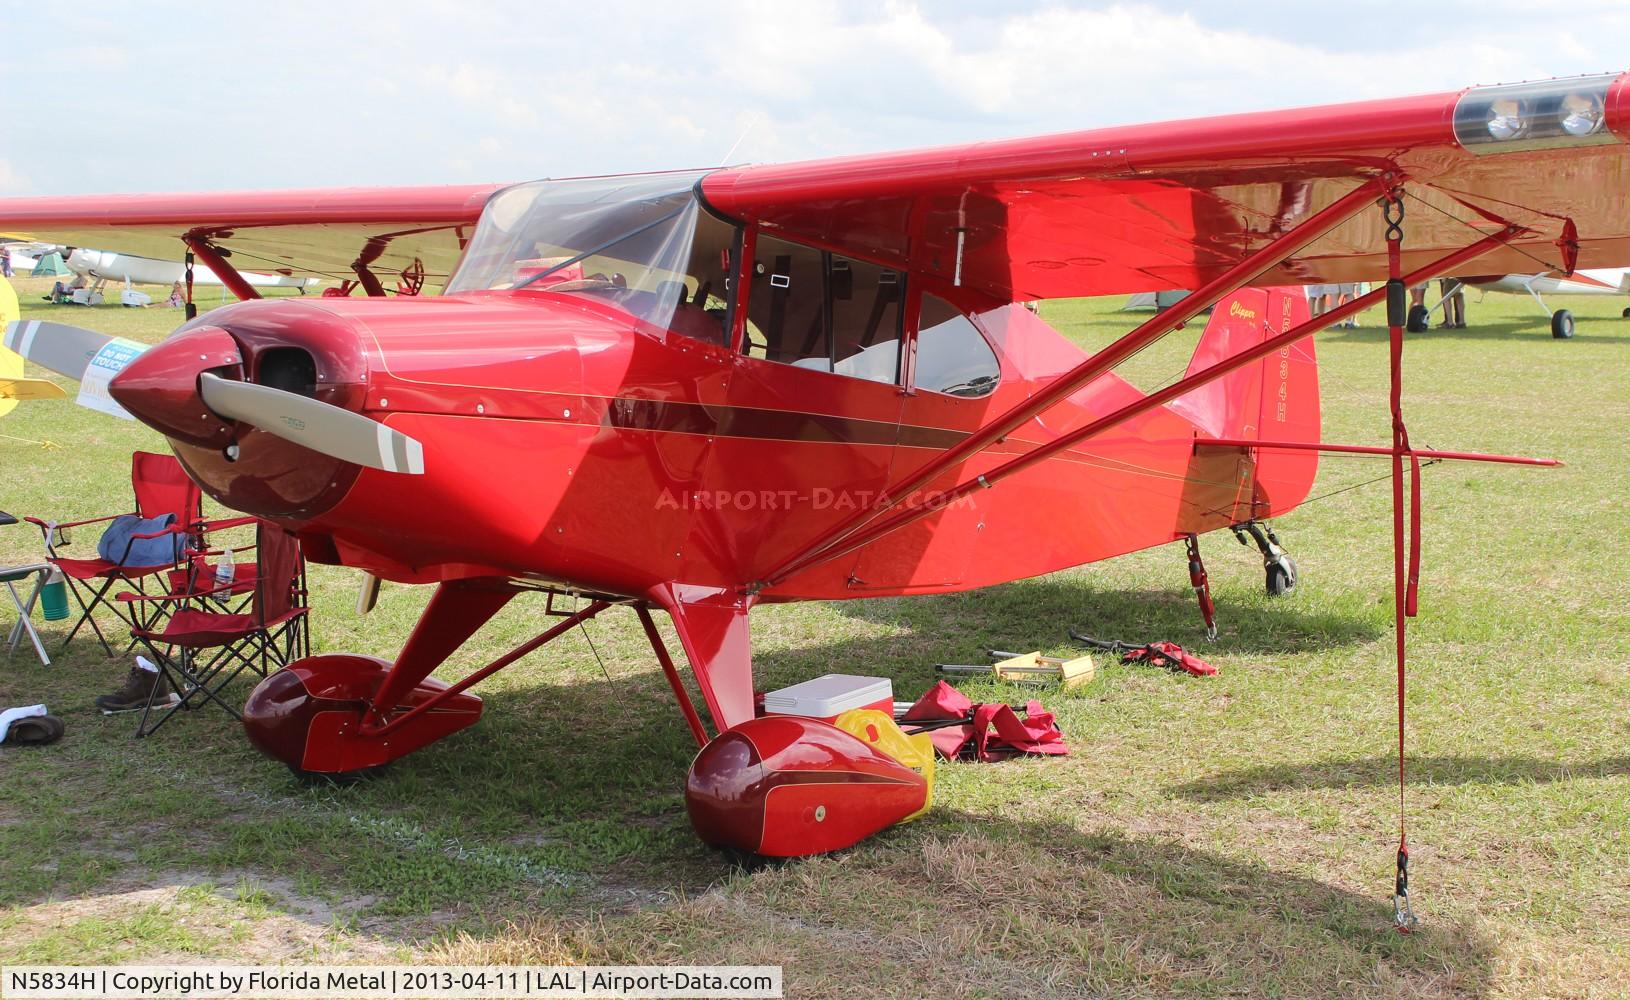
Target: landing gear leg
(1202, 586)
(1280, 568)
(1561, 319)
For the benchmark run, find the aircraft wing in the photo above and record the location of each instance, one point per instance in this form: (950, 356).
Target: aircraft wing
(1150, 207)
(1127, 209)
(306, 232)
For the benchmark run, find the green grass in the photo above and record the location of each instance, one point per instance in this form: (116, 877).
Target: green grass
(1230, 836)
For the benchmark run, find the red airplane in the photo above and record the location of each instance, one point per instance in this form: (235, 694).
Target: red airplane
(696, 392)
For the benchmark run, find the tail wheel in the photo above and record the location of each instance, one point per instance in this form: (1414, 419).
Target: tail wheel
(1420, 319)
(1562, 324)
(1281, 576)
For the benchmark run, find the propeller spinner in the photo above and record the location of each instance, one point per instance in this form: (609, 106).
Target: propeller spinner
(310, 423)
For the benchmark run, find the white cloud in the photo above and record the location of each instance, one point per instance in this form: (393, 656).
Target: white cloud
(485, 91)
(12, 182)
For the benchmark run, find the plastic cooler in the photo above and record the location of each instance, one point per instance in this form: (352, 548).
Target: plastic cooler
(828, 697)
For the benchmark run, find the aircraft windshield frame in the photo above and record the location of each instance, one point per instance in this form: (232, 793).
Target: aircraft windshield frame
(618, 239)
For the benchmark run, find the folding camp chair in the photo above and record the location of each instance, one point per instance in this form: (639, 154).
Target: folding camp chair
(11, 576)
(161, 487)
(200, 651)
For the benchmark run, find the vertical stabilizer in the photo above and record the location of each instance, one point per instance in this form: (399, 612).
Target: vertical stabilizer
(1274, 399)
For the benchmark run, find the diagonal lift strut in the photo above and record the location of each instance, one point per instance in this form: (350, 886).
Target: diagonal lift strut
(1246, 271)
(869, 527)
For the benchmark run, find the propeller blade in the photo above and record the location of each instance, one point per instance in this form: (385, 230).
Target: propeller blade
(90, 357)
(350, 437)
(66, 350)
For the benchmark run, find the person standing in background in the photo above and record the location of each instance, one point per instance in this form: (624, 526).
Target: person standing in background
(1318, 299)
(1345, 293)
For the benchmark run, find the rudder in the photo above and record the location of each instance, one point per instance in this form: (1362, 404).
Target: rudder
(1274, 399)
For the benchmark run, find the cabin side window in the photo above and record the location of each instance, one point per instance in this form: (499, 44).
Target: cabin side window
(952, 355)
(824, 312)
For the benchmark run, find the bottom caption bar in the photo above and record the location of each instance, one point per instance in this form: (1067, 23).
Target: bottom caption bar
(379, 982)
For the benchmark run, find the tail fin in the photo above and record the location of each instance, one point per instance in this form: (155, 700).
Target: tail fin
(1275, 399)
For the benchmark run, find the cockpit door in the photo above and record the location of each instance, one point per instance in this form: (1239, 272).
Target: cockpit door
(809, 433)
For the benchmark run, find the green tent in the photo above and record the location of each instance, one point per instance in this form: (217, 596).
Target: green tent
(50, 266)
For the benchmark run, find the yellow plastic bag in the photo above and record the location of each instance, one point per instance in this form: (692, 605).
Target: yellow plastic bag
(879, 730)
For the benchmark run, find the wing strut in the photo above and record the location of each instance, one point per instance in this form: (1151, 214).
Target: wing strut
(850, 541)
(1246, 271)
(215, 260)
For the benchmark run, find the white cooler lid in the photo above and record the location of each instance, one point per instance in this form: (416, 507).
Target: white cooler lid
(832, 694)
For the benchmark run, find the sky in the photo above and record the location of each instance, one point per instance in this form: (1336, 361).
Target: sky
(157, 96)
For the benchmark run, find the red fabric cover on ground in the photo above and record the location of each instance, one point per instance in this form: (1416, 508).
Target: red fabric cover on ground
(948, 742)
(942, 701)
(1169, 654)
(996, 731)
(1036, 733)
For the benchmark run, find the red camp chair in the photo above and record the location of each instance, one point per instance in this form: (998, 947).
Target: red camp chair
(272, 631)
(161, 487)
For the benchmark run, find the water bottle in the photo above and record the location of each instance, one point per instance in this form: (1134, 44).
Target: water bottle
(223, 573)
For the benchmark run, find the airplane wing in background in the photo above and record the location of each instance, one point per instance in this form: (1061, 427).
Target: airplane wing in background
(320, 233)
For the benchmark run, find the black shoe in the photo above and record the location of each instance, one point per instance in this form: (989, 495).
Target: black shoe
(34, 731)
(139, 686)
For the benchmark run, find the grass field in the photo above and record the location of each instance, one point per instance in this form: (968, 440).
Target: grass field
(1230, 836)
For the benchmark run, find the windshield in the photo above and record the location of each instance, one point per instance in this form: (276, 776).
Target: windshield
(624, 240)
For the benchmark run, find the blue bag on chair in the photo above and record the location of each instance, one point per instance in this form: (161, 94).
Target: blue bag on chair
(161, 551)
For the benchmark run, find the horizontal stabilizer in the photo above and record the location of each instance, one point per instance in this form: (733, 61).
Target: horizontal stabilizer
(1370, 449)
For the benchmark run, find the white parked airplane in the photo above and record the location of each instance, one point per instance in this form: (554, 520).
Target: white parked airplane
(1599, 281)
(109, 265)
